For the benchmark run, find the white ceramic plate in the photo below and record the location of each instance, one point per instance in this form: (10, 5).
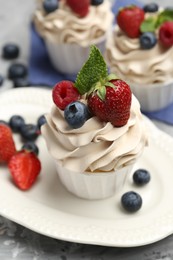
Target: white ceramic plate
(47, 208)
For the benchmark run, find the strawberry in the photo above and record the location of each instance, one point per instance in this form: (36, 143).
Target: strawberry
(108, 97)
(7, 145)
(63, 93)
(24, 168)
(166, 34)
(115, 106)
(80, 7)
(129, 20)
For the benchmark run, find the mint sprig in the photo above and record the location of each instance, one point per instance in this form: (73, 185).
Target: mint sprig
(93, 70)
(148, 25)
(166, 15)
(152, 23)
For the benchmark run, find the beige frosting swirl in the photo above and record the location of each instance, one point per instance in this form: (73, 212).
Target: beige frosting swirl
(64, 26)
(126, 58)
(96, 146)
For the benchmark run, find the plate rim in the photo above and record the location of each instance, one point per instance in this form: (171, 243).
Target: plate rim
(67, 232)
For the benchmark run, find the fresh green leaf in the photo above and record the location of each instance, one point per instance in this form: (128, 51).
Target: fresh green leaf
(148, 25)
(93, 70)
(164, 16)
(101, 92)
(110, 84)
(112, 76)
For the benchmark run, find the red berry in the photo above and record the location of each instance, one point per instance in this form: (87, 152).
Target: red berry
(166, 34)
(115, 108)
(64, 93)
(80, 7)
(129, 20)
(7, 145)
(24, 168)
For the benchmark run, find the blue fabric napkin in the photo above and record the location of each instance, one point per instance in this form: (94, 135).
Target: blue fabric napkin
(41, 71)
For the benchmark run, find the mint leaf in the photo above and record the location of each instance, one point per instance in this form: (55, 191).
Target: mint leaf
(164, 16)
(93, 70)
(148, 25)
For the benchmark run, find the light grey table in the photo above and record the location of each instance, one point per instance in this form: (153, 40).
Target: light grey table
(18, 242)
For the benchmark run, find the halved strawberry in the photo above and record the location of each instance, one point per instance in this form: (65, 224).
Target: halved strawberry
(7, 145)
(24, 167)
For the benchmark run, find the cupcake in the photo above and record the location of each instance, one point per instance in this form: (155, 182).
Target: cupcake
(140, 51)
(70, 27)
(95, 131)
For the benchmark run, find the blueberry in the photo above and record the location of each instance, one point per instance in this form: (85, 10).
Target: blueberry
(151, 8)
(20, 82)
(29, 132)
(31, 147)
(141, 177)
(16, 122)
(10, 51)
(41, 121)
(17, 70)
(76, 113)
(97, 2)
(131, 201)
(50, 5)
(3, 122)
(1, 80)
(148, 40)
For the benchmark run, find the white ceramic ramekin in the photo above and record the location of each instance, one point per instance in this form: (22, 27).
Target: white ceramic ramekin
(93, 186)
(153, 97)
(69, 58)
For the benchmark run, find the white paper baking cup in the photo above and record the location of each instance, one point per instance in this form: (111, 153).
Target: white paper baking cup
(153, 97)
(69, 58)
(93, 185)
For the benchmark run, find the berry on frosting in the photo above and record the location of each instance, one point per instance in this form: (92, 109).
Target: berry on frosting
(96, 2)
(64, 92)
(76, 114)
(166, 34)
(129, 20)
(50, 5)
(80, 7)
(147, 40)
(111, 102)
(109, 98)
(151, 8)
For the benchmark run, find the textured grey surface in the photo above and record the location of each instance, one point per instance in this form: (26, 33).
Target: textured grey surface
(17, 242)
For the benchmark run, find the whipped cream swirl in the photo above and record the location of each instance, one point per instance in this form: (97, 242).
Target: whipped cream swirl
(64, 26)
(126, 58)
(96, 146)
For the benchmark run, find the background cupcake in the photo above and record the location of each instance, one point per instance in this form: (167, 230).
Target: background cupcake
(69, 27)
(142, 54)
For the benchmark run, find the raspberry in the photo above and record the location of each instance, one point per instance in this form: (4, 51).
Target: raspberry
(64, 93)
(166, 34)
